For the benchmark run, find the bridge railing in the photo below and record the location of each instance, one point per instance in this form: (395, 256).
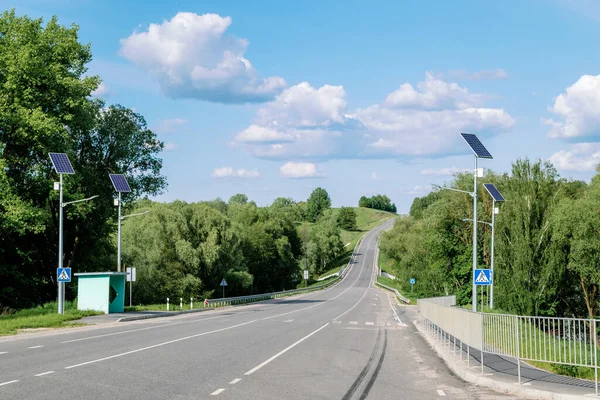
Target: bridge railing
(565, 341)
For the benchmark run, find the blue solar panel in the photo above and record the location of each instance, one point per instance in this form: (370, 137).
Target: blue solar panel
(120, 183)
(493, 191)
(61, 163)
(479, 150)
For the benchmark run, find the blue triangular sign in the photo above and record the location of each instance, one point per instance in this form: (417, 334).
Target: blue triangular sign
(223, 282)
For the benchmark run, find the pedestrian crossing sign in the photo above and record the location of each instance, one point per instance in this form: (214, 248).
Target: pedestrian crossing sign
(483, 277)
(63, 274)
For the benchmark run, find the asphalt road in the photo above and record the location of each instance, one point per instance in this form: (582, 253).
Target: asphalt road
(352, 341)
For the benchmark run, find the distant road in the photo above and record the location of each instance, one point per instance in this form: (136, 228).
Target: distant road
(352, 341)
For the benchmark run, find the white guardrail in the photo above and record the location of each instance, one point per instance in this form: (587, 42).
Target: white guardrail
(267, 296)
(396, 292)
(566, 341)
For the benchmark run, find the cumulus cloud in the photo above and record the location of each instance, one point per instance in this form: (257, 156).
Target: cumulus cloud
(484, 74)
(310, 123)
(299, 170)
(170, 125)
(192, 57)
(444, 171)
(229, 172)
(170, 146)
(582, 157)
(101, 90)
(578, 110)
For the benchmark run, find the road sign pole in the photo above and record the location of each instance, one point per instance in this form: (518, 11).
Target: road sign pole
(474, 235)
(119, 238)
(61, 287)
(130, 292)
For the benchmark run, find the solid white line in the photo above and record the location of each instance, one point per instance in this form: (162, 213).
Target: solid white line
(396, 317)
(35, 347)
(289, 320)
(236, 380)
(142, 329)
(159, 345)
(216, 392)
(45, 373)
(8, 383)
(441, 392)
(259, 366)
(369, 323)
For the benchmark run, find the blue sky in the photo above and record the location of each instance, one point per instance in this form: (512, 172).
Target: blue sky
(360, 97)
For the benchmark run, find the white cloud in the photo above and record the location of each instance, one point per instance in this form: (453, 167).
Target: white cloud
(169, 125)
(417, 190)
(262, 134)
(582, 157)
(308, 123)
(101, 90)
(170, 146)
(484, 74)
(229, 172)
(192, 57)
(444, 171)
(432, 94)
(579, 109)
(299, 170)
(375, 177)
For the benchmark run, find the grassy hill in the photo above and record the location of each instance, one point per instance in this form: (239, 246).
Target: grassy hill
(366, 219)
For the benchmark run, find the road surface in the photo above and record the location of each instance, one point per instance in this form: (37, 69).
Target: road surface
(352, 341)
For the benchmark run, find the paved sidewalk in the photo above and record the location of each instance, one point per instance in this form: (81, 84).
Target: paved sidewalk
(500, 373)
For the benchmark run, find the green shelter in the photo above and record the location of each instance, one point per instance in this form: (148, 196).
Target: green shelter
(101, 291)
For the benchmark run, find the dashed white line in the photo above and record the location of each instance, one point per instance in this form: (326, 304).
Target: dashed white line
(216, 392)
(236, 380)
(259, 366)
(353, 322)
(8, 383)
(337, 322)
(35, 347)
(3, 352)
(289, 320)
(441, 392)
(369, 323)
(45, 373)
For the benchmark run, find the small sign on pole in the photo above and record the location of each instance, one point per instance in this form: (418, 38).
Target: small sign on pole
(131, 276)
(223, 284)
(63, 274)
(305, 274)
(483, 277)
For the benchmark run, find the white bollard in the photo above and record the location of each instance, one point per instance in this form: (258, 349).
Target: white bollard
(167, 304)
(191, 303)
(181, 303)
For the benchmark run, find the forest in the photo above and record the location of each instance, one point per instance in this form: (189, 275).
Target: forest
(547, 242)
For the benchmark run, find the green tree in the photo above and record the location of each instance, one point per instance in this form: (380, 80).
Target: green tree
(239, 198)
(346, 218)
(317, 203)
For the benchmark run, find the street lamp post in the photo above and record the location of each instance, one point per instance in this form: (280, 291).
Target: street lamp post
(496, 197)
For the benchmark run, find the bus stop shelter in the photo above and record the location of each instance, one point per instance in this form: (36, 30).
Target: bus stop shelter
(101, 291)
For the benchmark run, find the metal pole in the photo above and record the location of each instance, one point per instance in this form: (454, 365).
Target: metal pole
(595, 357)
(493, 233)
(119, 238)
(475, 235)
(61, 288)
(223, 291)
(130, 291)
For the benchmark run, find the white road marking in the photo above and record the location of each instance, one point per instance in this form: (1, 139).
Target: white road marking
(396, 317)
(373, 304)
(3, 352)
(35, 347)
(216, 392)
(259, 366)
(236, 380)
(159, 345)
(353, 322)
(45, 373)
(8, 383)
(441, 392)
(289, 320)
(337, 322)
(142, 329)
(369, 323)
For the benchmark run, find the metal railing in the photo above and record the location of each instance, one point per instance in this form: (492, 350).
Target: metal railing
(564, 341)
(268, 296)
(396, 292)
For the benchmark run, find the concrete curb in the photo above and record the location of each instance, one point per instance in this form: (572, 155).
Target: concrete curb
(163, 314)
(460, 369)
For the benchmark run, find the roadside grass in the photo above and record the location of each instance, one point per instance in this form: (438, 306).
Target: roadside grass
(44, 316)
(396, 285)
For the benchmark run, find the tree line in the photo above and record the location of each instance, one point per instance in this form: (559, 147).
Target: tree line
(378, 202)
(547, 246)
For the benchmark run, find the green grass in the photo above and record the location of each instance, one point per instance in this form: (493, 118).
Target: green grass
(396, 285)
(45, 316)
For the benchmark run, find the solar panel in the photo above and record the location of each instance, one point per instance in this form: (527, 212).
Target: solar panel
(61, 163)
(479, 150)
(493, 191)
(120, 183)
